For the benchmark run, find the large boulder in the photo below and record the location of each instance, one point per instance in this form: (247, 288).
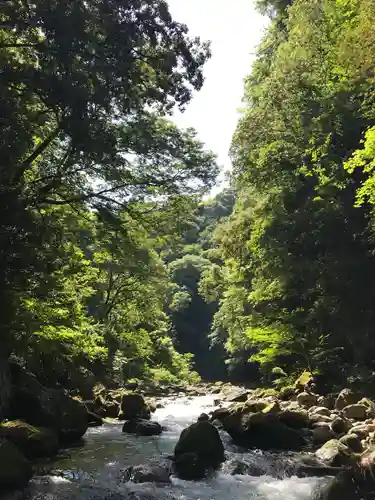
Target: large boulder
(345, 398)
(33, 441)
(44, 407)
(15, 469)
(262, 431)
(190, 466)
(335, 454)
(142, 427)
(356, 411)
(134, 406)
(199, 449)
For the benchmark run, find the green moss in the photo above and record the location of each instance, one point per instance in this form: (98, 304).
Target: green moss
(32, 441)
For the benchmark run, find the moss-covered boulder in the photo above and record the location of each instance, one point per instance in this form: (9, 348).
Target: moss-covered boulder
(15, 469)
(134, 406)
(199, 448)
(335, 454)
(33, 441)
(43, 407)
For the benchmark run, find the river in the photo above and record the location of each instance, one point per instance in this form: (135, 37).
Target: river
(96, 469)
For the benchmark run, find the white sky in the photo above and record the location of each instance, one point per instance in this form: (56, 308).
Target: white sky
(234, 28)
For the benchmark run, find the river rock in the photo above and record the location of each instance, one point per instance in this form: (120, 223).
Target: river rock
(320, 410)
(307, 399)
(353, 442)
(287, 393)
(15, 469)
(355, 411)
(294, 418)
(134, 406)
(322, 434)
(341, 487)
(345, 398)
(148, 474)
(33, 441)
(335, 454)
(327, 401)
(340, 425)
(316, 418)
(44, 407)
(261, 431)
(190, 466)
(110, 409)
(142, 427)
(199, 448)
(237, 395)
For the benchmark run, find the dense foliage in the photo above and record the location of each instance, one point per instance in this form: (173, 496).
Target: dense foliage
(295, 290)
(94, 179)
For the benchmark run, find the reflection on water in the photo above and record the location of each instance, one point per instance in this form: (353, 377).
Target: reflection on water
(96, 470)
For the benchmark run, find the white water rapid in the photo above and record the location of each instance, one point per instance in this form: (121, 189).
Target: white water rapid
(95, 471)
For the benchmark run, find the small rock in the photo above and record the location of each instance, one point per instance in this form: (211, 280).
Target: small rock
(320, 410)
(307, 399)
(335, 454)
(340, 426)
(142, 427)
(345, 398)
(148, 474)
(322, 434)
(355, 411)
(353, 442)
(296, 419)
(319, 418)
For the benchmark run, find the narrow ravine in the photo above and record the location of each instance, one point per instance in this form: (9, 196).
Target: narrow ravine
(96, 469)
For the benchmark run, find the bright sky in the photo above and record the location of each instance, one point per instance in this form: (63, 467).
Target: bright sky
(234, 28)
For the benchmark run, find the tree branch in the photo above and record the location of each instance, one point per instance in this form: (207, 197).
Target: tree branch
(36, 153)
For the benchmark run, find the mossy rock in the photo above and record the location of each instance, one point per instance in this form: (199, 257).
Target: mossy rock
(15, 470)
(33, 441)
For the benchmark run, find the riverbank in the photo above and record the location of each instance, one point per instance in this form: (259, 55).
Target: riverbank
(302, 433)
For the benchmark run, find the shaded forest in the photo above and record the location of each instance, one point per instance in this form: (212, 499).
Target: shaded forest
(116, 265)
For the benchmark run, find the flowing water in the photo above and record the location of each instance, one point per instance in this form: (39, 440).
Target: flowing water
(96, 469)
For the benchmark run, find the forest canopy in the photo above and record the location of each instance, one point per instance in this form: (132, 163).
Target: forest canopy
(116, 265)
